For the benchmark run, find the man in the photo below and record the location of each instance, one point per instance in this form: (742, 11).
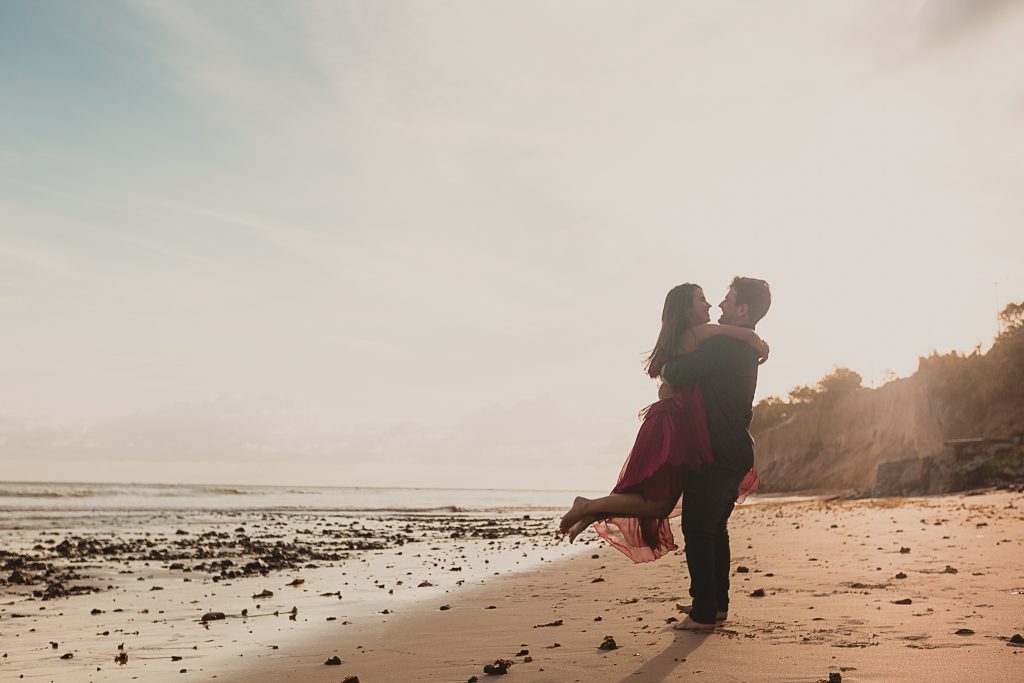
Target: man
(726, 370)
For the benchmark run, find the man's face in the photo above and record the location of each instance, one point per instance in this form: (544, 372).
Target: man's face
(732, 314)
(700, 310)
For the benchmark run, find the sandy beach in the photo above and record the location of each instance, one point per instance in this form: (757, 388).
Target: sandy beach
(873, 589)
(887, 589)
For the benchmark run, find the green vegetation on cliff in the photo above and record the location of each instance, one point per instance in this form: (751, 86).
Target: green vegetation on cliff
(978, 394)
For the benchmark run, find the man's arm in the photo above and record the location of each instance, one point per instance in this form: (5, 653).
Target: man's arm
(691, 367)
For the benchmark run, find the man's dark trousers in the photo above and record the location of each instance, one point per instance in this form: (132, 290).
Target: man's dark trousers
(708, 501)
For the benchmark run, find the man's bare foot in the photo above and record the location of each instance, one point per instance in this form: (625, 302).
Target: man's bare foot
(579, 527)
(685, 609)
(689, 624)
(574, 515)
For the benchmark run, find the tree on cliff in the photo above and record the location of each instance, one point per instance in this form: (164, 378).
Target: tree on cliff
(840, 382)
(1012, 318)
(981, 394)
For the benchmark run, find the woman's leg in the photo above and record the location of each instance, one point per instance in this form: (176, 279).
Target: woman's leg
(614, 505)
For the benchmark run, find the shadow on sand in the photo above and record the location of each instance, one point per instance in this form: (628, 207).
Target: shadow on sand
(662, 666)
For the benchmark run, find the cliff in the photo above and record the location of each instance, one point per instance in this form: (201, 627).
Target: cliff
(835, 436)
(837, 442)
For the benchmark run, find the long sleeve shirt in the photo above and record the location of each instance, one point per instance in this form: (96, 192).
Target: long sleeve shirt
(726, 370)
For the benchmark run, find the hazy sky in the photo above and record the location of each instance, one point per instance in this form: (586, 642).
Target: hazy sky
(425, 243)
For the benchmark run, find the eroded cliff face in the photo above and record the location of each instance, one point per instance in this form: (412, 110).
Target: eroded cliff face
(837, 442)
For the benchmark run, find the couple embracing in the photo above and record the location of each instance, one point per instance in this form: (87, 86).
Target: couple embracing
(693, 443)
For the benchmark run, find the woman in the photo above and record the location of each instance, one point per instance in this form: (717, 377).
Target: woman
(672, 440)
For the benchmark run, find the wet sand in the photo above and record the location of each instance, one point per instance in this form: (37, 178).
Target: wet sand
(857, 590)
(114, 595)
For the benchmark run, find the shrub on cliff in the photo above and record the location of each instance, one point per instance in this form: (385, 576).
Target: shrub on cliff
(983, 392)
(980, 394)
(840, 382)
(770, 411)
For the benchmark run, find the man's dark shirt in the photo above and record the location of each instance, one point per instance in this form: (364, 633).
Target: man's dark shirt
(726, 370)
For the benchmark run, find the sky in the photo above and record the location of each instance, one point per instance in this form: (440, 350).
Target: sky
(427, 244)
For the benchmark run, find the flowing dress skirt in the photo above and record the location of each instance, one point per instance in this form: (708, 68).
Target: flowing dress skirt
(673, 440)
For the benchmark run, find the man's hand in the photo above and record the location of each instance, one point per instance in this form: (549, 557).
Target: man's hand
(762, 353)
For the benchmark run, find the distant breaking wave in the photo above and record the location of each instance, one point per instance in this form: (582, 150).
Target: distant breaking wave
(46, 493)
(204, 491)
(378, 501)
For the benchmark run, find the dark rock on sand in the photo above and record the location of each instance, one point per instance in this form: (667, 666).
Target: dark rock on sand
(121, 658)
(1017, 639)
(758, 593)
(557, 622)
(213, 616)
(964, 632)
(608, 644)
(500, 667)
(333, 661)
(53, 590)
(835, 677)
(904, 601)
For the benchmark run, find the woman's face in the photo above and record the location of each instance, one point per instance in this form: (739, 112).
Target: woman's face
(700, 308)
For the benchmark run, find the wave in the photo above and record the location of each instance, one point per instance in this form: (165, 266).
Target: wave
(391, 508)
(228, 491)
(453, 509)
(378, 501)
(46, 493)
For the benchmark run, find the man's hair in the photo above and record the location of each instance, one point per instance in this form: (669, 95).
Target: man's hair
(756, 294)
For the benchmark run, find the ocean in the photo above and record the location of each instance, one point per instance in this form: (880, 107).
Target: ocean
(54, 496)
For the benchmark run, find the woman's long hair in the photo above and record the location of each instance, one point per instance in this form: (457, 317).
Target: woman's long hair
(675, 321)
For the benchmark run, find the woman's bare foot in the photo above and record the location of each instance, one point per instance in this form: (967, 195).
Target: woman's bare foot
(574, 515)
(579, 527)
(685, 609)
(689, 624)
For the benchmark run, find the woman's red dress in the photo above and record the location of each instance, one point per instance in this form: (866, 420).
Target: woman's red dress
(672, 441)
